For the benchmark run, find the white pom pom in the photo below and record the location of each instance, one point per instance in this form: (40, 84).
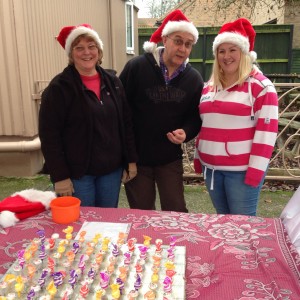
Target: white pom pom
(7, 219)
(149, 47)
(253, 56)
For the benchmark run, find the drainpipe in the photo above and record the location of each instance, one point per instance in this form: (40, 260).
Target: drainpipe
(21, 146)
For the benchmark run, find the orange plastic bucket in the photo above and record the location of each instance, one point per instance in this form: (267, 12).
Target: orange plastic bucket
(65, 209)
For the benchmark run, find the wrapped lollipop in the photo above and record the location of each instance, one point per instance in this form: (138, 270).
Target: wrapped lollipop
(42, 279)
(31, 270)
(115, 251)
(84, 290)
(99, 293)
(147, 240)
(171, 255)
(131, 244)
(99, 257)
(21, 260)
(169, 265)
(173, 242)
(104, 280)
(158, 244)
(42, 254)
(70, 258)
(91, 275)
(157, 259)
(115, 291)
(121, 238)
(52, 240)
(96, 238)
(82, 262)
(121, 284)
(139, 267)
(167, 284)
(132, 295)
(41, 234)
(90, 248)
(138, 282)
(150, 295)
(31, 294)
(19, 285)
(75, 248)
(105, 243)
(65, 294)
(51, 288)
(82, 235)
(68, 231)
(143, 252)
(127, 258)
(123, 272)
(73, 278)
(57, 278)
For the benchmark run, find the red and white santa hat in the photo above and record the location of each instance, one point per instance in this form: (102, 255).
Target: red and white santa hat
(239, 32)
(69, 33)
(174, 21)
(24, 204)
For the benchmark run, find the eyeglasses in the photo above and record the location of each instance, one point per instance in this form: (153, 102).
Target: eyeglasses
(89, 47)
(180, 42)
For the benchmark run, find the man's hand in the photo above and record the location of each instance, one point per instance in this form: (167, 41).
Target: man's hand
(177, 136)
(64, 187)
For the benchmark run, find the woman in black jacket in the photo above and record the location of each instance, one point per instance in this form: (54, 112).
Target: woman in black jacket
(85, 124)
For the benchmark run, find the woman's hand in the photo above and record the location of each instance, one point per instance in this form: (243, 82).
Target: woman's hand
(64, 187)
(130, 174)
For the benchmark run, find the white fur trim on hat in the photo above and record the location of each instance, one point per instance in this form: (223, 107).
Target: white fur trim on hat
(184, 26)
(79, 31)
(149, 47)
(33, 195)
(232, 38)
(8, 218)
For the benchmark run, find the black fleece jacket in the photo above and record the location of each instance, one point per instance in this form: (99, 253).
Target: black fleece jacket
(158, 108)
(69, 127)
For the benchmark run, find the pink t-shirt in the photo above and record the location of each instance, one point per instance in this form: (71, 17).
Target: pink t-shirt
(92, 83)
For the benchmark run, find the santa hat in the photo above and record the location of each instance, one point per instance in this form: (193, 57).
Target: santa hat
(69, 33)
(24, 204)
(173, 22)
(240, 33)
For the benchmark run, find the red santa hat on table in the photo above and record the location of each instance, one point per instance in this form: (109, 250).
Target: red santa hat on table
(68, 34)
(240, 33)
(173, 22)
(24, 204)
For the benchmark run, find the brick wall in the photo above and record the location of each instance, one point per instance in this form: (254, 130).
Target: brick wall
(292, 16)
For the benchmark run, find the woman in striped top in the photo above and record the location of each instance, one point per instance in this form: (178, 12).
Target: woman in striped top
(239, 113)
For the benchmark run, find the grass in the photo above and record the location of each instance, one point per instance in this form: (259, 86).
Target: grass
(270, 203)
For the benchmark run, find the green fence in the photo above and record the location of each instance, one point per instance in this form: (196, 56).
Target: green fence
(273, 46)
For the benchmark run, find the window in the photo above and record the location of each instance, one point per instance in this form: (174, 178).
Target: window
(129, 28)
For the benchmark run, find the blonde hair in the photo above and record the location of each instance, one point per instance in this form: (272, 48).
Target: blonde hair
(89, 37)
(246, 67)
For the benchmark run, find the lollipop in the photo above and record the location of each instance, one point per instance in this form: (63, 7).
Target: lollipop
(42, 254)
(139, 267)
(73, 278)
(121, 238)
(42, 279)
(99, 293)
(171, 255)
(82, 260)
(51, 264)
(99, 257)
(52, 290)
(150, 295)
(82, 236)
(115, 251)
(132, 295)
(173, 242)
(91, 274)
(121, 284)
(75, 247)
(143, 252)
(147, 240)
(105, 243)
(68, 231)
(90, 249)
(158, 244)
(138, 282)
(57, 278)
(84, 290)
(41, 234)
(131, 244)
(19, 286)
(115, 291)
(169, 265)
(70, 257)
(21, 258)
(104, 280)
(127, 259)
(123, 272)
(96, 238)
(31, 270)
(167, 283)
(31, 294)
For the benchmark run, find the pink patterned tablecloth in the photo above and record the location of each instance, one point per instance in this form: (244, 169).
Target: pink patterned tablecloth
(228, 256)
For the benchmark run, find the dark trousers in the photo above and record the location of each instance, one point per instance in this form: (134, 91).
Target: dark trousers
(141, 191)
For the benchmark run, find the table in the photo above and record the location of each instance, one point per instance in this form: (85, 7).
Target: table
(228, 256)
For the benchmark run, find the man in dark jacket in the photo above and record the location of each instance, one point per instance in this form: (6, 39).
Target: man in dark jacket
(163, 91)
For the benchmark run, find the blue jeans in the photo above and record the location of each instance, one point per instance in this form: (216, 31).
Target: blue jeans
(98, 191)
(230, 195)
